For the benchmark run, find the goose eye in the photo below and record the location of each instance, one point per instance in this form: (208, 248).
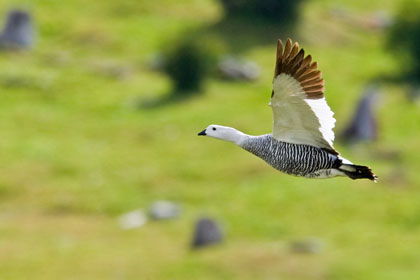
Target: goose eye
(214, 128)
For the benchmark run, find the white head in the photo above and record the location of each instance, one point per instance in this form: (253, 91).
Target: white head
(224, 133)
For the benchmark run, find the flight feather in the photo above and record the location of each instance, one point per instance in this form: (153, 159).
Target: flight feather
(301, 114)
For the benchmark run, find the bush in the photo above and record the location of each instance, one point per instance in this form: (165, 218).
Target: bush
(188, 64)
(281, 11)
(404, 38)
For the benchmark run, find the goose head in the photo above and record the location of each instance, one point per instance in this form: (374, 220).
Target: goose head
(224, 133)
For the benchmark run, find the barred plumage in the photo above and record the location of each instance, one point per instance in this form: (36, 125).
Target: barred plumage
(294, 159)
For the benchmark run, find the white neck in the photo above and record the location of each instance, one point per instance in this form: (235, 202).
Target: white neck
(232, 135)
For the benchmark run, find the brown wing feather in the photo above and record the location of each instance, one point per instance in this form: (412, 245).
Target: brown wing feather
(290, 60)
(297, 61)
(287, 50)
(305, 64)
(313, 81)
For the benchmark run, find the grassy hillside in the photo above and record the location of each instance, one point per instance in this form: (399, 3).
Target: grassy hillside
(76, 152)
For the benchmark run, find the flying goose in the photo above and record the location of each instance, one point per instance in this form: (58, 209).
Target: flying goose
(302, 140)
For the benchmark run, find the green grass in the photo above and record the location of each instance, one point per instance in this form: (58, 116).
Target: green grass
(75, 154)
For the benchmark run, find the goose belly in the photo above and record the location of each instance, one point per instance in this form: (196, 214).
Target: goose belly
(325, 173)
(295, 159)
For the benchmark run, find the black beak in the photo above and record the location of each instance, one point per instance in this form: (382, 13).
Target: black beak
(202, 133)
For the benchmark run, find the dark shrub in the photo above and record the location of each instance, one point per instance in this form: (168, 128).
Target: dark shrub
(187, 65)
(189, 62)
(404, 38)
(282, 11)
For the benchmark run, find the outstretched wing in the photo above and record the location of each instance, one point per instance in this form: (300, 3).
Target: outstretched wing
(301, 114)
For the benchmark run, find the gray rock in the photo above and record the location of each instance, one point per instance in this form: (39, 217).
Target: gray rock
(207, 232)
(18, 31)
(307, 246)
(234, 69)
(161, 210)
(363, 125)
(132, 219)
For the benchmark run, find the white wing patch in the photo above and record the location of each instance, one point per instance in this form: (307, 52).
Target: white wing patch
(325, 116)
(297, 119)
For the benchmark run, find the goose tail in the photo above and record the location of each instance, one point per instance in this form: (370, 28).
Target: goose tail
(358, 172)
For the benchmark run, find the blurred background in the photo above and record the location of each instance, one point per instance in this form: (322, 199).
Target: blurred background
(102, 175)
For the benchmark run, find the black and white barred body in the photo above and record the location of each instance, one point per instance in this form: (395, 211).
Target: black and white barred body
(295, 159)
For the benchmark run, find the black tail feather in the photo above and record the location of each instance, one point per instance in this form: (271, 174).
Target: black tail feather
(358, 172)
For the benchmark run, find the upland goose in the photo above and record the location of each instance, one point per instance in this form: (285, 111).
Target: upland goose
(302, 140)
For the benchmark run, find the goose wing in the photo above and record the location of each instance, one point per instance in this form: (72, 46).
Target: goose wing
(301, 114)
